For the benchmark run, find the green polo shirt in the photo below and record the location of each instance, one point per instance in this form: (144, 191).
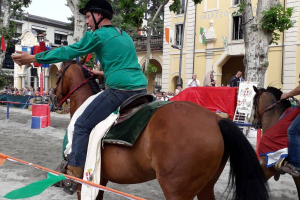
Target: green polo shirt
(115, 51)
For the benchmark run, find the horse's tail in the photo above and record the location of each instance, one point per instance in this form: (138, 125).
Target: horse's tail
(246, 177)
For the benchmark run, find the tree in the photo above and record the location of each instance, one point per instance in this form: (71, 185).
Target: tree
(12, 8)
(154, 16)
(79, 19)
(259, 32)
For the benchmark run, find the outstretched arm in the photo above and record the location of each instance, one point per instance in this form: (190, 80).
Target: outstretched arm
(88, 44)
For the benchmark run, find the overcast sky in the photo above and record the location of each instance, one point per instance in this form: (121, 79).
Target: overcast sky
(52, 9)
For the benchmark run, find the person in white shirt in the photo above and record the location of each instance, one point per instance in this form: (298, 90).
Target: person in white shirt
(164, 97)
(194, 82)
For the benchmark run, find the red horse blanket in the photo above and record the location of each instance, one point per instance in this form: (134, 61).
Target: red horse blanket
(276, 138)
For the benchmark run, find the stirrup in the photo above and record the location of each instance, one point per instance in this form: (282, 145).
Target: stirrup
(70, 186)
(290, 169)
(279, 164)
(61, 168)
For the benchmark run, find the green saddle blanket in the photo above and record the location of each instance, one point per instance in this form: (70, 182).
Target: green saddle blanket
(128, 131)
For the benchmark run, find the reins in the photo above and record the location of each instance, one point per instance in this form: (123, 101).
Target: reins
(76, 88)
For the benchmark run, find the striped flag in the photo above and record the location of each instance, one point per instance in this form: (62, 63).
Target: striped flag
(202, 37)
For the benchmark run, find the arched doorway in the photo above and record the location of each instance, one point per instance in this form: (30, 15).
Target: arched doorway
(52, 76)
(174, 84)
(155, 78)
(231, 67)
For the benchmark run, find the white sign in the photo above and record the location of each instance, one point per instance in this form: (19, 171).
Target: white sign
(245, 97)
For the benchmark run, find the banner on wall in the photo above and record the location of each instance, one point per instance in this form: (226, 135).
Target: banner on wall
(245, 97)
(202, 36)
(167, 35)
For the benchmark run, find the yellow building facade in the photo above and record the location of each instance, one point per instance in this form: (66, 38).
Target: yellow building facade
(216, 17)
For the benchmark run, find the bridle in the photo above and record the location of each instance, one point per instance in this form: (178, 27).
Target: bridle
(266, 109)
(61, 78)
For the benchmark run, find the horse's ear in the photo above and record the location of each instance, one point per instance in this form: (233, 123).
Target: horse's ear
(83, 60)
(255, 89)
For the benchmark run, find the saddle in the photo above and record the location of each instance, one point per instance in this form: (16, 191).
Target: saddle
(133, 104)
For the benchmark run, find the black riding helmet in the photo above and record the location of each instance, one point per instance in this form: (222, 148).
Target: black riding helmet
(101, 6)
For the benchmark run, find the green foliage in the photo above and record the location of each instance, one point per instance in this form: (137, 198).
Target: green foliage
(176, 5)
(149, 69)
(16, 9)
(82, 3)
(266, 63)
(71, 24)
(3, 79)
(241, 9)
(277, 19)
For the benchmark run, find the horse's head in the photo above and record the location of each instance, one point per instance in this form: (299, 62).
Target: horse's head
(62, 88)
(70, 80)
(264, 100)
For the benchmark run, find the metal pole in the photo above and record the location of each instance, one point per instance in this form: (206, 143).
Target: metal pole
(181, 42)
(7, 111)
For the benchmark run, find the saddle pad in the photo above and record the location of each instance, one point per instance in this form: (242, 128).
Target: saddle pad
(127, 132)
(275, 139)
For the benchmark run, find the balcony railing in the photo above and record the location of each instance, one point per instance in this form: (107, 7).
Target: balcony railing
(156, 43)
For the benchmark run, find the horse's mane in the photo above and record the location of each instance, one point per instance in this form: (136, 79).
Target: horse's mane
(92, 83)
(277, 94)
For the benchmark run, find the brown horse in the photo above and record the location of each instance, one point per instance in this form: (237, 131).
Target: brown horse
(263, 99)
(184, 146)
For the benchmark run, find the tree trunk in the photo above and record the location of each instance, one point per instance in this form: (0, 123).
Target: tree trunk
(79, 20)
(6, 22)
(257, 42)
(150, 27)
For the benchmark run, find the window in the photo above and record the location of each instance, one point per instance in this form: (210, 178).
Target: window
(60, 38)
(38, 31)
(178, 31)
(236, 2)
(157, 82)
(237, 32)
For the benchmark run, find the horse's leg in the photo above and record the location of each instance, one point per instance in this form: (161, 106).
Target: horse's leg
(297, 182)
(269, 172)
(103, 182)
(208, 191)
(186, 153)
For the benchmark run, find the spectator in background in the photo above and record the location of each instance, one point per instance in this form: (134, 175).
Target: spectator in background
(159, 97)
(178, 89)
(164, 97)
(209, 79)
(235, 80)
(37, 91)
(21, 92)
(170, 95)
(194, 82)
(25, 91)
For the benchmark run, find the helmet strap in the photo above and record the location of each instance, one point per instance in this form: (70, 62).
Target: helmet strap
(97, 23)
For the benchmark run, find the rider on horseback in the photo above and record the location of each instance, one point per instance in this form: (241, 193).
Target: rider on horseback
(124, 77)
(293, 167)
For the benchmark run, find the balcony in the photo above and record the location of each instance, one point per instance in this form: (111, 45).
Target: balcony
(156, 43)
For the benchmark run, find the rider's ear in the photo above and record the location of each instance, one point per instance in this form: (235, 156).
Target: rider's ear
(255, 89)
